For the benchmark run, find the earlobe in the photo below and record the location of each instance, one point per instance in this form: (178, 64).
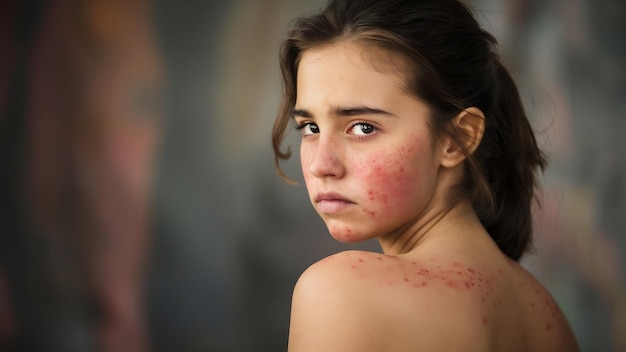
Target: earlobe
(467, 128)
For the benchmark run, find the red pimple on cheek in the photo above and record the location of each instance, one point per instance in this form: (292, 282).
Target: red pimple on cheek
(370, 213)
(400, 174)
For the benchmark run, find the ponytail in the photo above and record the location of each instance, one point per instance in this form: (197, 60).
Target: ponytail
(509, 158)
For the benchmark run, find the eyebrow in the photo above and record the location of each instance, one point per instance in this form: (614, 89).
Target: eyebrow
(347, 111)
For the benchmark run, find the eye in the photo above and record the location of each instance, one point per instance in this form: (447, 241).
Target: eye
(308, 128)
(362, 129)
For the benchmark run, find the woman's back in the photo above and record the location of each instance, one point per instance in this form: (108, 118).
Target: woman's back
(461, 296)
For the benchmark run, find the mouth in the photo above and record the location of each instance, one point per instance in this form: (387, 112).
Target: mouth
(332, 203)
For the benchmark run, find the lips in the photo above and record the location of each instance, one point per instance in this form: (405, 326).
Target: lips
(332, 203)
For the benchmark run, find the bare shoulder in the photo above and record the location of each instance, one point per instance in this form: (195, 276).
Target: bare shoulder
(368, 301)
(546, 326)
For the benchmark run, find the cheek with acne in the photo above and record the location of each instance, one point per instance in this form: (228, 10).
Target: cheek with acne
(387, 180)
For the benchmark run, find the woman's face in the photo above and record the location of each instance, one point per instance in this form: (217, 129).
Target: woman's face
(369, 159)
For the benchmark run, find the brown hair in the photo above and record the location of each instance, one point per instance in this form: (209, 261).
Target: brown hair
(456, 67)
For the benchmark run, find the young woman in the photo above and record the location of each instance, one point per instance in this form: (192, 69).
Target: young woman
(413, 133)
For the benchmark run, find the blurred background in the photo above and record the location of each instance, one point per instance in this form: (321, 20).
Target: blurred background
(139, 205)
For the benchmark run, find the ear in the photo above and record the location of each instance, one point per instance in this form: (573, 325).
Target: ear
(467, 128)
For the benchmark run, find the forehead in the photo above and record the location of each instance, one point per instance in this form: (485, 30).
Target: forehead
(362, 56)
(351, 68)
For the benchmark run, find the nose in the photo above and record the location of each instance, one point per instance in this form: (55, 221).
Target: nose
(325, 160)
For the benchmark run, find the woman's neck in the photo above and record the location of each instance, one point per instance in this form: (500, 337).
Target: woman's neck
(442, 223)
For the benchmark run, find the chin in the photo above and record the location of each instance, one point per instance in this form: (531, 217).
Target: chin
(344, 233)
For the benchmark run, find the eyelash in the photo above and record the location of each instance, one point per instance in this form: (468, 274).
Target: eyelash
(374, 129)
(303, 125)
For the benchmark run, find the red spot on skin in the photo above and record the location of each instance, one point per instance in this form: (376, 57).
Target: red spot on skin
(354, 267)
(548, 327)
(471, 271)
(423, 272)
(532, 304)
(379, 258)
(348, 233)
(458, 272)
(450, 283)
(361, 260)
(500, 271)
(406, 279)
(413, 263)
(456, 264)
(370, 213)
(484, 320)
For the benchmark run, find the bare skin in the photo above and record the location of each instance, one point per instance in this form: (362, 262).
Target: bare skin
(455, 291)
(373, 169)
